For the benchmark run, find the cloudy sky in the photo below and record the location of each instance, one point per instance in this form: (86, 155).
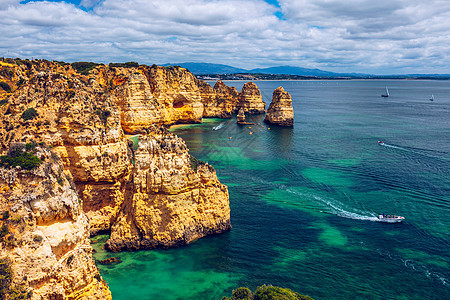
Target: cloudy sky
(369, 36)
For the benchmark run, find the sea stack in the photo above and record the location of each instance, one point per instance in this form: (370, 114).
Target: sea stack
(250, 100)
(241, 116)
(280, 111)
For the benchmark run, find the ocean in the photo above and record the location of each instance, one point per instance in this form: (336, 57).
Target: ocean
(304, 200)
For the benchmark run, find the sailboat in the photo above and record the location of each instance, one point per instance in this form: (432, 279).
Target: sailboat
(432, 97)
(386, 94)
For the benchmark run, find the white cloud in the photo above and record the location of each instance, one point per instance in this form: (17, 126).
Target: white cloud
(354, 35)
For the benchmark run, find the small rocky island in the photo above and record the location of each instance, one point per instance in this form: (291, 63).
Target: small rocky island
(280, 111)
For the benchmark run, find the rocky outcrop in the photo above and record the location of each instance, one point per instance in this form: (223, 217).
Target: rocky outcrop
(218, 102)
(85, 119)
(173, 201)
(45, 234)
(250, 100)
(241, 116)
(280, 110)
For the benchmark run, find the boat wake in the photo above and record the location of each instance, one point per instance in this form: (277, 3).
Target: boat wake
(418, 151)
(318, 203)
(219, 126)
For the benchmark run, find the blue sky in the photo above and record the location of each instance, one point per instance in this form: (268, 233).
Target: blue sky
(367, 36)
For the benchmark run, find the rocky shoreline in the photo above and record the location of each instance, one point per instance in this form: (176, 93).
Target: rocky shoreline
(91, 178)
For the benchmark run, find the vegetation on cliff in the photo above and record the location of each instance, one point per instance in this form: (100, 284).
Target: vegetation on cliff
(9, 290)
(265, 292)
(20, 155)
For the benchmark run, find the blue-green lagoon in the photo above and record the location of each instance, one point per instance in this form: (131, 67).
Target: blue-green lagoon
(304, 200)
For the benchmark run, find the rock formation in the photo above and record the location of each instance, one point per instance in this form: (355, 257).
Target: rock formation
(150, 194)
(44, 245)
(250, 100)
(218, 102)
(241, 116)
(172, 201)
(280, 110)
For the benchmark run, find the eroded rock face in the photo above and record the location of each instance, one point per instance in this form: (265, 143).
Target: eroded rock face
(171, 204)
(47, 245)
(218, 102)
(280, 111)
(85, 119)
(241, 116)
(250, 100)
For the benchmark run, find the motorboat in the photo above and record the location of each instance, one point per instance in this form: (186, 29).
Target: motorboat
(390, 218)
(380, 143)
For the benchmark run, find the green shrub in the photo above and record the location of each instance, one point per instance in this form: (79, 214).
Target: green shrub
(5, 276)
(17, 156)
(5, 215)
(5, 86)
(3, 231)
(242, 293)
(266, 293)
(3, 101)
(84, 67)
(103, 114)
(130, 64)
(20, 82)
(276, 293)
(30, 146)
(8, 291)
(195, 163)
(37, 238)
(71, 93)
(29, 114)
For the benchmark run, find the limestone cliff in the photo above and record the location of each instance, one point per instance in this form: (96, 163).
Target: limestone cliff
(85, 119)
(218, 102)
(174, 199)
(280, 110)
(45, 234)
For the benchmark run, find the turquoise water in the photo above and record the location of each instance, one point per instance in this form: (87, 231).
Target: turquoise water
(304, 200)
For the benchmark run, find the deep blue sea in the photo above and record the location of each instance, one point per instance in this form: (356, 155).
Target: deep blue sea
(304, 200)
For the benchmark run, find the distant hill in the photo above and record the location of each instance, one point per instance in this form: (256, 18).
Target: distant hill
(205, 68)
(215, 69)
(289, 70)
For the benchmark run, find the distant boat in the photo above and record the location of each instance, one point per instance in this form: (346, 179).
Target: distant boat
(432, 97)
(386, 93)
(380, 143)
(390, 218)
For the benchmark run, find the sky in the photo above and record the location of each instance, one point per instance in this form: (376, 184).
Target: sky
(362, 36)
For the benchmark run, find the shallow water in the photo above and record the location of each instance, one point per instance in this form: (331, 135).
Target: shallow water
(304, 200)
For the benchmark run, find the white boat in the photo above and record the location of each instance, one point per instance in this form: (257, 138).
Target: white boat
(380, 143)
(390, 218)
(386, 93)
(432, 97)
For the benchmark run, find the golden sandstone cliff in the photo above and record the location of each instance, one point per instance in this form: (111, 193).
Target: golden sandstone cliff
(280, 110)
(45, 249)
(147, 193)
(151, 194)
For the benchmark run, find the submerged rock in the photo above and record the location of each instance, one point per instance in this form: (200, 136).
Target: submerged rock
(110, 261)
(280, 111)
